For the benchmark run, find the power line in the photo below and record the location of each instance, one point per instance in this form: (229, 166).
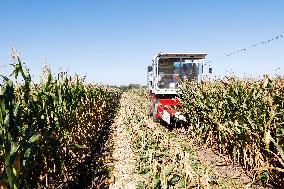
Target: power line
(247, 48)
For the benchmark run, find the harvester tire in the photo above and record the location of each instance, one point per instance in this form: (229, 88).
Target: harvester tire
(150, 110)
(155, 111)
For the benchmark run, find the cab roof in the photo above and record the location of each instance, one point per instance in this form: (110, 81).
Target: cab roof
(182, 55)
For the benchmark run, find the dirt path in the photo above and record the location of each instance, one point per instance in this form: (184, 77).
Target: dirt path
(124, 176)
(221, 165)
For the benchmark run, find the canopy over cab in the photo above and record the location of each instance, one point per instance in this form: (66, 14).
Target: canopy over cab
(184, 55)
(168, 69)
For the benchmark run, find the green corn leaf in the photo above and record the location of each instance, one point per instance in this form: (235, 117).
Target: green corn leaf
(81, 146)
(169, 169)
(157, 183)
(14, 147)
(27, 152)
(34, 138)
(2, 90)
(280, 150)
(173, 178)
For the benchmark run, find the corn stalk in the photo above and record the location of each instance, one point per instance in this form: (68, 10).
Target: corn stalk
(242, 117)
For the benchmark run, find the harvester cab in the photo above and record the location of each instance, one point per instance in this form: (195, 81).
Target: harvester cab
(164, 76)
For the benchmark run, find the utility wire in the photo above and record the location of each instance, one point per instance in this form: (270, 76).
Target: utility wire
(247, 48)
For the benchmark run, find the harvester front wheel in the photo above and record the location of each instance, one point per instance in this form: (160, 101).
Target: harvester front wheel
(155, 110)
(150, 109)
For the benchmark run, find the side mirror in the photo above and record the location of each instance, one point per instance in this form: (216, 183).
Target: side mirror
(210, 70)
(150, 68)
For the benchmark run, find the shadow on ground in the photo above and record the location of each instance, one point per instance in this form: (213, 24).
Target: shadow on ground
(92, 172)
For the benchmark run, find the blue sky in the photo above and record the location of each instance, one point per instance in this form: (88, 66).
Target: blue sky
(113, 41)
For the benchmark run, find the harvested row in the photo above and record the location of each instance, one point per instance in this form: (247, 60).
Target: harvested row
(166, 159)
(52, 133)
(123, 157)
(243, 118)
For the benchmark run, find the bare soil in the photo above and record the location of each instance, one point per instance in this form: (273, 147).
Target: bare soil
(223, 166)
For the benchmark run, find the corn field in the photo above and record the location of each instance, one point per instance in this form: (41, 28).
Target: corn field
(51, 132)
(242, 118)
(54, 134)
